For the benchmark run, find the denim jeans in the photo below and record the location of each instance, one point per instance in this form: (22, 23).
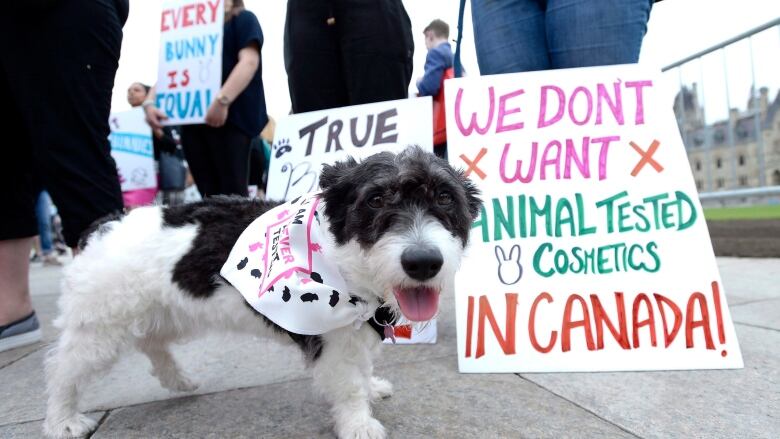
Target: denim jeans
(43, 215)
(524, 35)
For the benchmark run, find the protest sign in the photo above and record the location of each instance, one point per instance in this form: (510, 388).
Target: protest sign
(190, 64)
(303, 142)
(591, 252)
(131, 147)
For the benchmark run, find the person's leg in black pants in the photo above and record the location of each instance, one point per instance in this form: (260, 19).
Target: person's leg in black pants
(62, 82)
(218, 159)
(231, 158)
(196, 141)
(376, 49)
(312, 56)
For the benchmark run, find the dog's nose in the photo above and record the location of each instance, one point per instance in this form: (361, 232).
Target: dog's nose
(421, 263)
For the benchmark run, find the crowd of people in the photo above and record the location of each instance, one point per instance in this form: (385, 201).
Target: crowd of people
(336, 53)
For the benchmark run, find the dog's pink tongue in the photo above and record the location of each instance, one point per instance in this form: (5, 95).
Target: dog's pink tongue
(418, 304)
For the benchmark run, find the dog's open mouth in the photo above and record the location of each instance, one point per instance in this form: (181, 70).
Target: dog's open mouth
(418, 304)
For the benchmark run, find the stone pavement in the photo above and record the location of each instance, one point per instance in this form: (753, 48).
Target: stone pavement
(254, 388)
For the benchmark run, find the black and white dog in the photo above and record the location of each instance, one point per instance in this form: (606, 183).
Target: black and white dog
(399, 222)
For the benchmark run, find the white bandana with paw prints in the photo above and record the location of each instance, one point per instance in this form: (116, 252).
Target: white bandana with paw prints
(280, 266)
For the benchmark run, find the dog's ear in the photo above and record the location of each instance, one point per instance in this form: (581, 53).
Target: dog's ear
(332, 173)
(472, 195)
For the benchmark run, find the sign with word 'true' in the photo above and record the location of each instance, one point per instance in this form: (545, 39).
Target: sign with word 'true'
(591, 252)
(304, 142)
(190, 67)
(131, 148)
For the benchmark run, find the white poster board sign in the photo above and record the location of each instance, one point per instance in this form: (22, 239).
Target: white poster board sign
(190, 64)
(131, 147)
(591, 252)
(305, 141)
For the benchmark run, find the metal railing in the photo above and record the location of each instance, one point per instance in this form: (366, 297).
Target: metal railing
(733, 149)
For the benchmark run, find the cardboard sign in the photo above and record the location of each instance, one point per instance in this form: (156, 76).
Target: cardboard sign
(591, 253)
(303, 142)
(131, 147)
(190, 67)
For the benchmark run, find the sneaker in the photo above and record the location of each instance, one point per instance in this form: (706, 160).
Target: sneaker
(22, 332)
(51, 259)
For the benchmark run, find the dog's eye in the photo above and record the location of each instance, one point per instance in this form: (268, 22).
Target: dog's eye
(444, 199)
(376, 202)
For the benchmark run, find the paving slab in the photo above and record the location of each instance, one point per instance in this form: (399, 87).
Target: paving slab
(32, 429)
(431, 400)
(763, 313)
(216, 362)
(701, 404)
(750, 279)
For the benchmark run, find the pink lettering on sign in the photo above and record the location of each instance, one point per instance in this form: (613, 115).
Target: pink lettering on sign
(503, 112)
(466, 131)
(639, 119)
(578, 104)
(554, 158)
(192, 14)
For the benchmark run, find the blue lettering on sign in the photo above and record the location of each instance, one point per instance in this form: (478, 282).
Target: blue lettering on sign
(184, 104)
(139, 144)
(193, 47)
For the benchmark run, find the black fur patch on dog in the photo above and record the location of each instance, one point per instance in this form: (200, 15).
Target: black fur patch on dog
(316, 277)
(309, 297)
(286, 294)
(242, 264)
(410, 182)
(256, 273)
(220, 221)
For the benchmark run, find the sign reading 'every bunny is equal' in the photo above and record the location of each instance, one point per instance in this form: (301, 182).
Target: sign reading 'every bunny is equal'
(592, 228)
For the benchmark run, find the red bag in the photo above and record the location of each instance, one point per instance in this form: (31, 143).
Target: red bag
(439, 117)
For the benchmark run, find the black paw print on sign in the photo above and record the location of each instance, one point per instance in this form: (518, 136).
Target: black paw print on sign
(282, 148)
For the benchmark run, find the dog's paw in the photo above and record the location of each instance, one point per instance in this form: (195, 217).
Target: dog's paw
(368, 429)
(180, 383)
(76, 426)
(380, 388)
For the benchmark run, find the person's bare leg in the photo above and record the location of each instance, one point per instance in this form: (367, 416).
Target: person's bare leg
(37, 246)
(15, 300)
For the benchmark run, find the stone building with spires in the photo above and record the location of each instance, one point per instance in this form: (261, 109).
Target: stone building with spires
(742, 151)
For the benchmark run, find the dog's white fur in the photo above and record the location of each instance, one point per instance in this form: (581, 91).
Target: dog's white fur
(118, 294)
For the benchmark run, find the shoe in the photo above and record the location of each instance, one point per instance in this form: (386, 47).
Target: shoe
(35, 258)
(51, 259)
(22, 332)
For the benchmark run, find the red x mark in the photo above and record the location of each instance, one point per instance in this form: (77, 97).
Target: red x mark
(647, 157)
(473, 164)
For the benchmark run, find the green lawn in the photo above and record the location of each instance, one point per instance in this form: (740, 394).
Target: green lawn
(738, 213)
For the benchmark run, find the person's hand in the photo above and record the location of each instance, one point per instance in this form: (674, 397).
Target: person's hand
(158, 132)
(154, 117)
(216, 114)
